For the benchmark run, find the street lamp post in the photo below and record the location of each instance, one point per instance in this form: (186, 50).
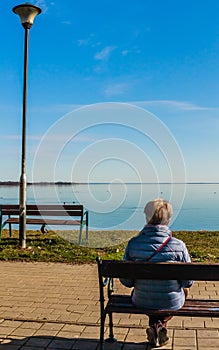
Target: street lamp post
(27, 14)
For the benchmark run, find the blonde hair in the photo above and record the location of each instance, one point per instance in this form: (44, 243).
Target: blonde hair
(158, 212)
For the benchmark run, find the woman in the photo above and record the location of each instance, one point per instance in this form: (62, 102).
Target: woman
(156, 244)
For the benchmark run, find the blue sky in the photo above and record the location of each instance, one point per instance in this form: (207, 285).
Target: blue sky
(158, 56)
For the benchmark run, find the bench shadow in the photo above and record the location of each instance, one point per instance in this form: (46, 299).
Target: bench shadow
(61, 343)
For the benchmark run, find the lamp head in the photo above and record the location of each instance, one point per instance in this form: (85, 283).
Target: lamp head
(27, 13)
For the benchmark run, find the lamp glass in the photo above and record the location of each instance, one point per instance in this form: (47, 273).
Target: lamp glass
(27, 13)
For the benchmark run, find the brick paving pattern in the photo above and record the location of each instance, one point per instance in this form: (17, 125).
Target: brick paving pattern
(47, 306)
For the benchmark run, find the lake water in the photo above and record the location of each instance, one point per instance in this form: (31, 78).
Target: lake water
(120, 206)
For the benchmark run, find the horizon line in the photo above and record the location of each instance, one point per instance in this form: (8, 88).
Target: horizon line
(17, 183)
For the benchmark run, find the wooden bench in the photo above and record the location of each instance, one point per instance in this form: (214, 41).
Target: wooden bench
(108, 270)
(45, 214)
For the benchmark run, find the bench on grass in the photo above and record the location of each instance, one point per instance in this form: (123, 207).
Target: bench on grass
(45, 214)
(108, 270)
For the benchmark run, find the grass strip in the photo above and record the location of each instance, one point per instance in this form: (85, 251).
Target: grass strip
(203, 246)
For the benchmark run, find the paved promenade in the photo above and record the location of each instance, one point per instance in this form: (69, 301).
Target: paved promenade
(55, 306)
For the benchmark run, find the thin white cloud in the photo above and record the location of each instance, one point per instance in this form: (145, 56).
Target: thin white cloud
(89, 41)
(116, 89)
(56, 108)
(105, 53)
(52, 138)
(179, 105)
(43, 4)
(132, 51)
(75, 139)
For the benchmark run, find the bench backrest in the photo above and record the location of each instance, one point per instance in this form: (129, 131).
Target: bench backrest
(159, 271)
(43, 209)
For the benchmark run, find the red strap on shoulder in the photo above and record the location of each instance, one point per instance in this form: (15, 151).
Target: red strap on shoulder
(164, 243)
(161, 246)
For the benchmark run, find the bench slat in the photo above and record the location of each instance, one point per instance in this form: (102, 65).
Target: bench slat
(44, 206)
(44, 212)
(10, 212)
(147, 270)
(33, 221)
(192, 307)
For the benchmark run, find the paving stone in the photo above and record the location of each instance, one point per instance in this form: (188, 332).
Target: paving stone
(31, 325)
(137, 338)
(61, 343)
(11, 323)
(185, 347)
(44, 333)
(195, 322)
(134, 346)
(208, 347)
(86, 345)
(52, 326)
(184, 341)
(73, 328)
(24, 332)
(212, 323)
(38, 341)
(92, 332)
(184, 333)
(164, 347)
(10, 347)
(208, 342)
(207, 333)
(176, 322)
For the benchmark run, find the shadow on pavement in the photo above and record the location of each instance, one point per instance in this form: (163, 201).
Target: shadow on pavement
(59, 343)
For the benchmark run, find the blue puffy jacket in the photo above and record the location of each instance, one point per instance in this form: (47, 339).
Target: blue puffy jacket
(154, 294)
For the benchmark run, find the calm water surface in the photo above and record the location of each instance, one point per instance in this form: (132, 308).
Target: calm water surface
(120, 206)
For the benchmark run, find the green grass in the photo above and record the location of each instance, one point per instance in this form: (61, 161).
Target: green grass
(203, 246)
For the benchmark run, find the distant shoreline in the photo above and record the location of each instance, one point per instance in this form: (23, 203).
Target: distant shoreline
(63, 183)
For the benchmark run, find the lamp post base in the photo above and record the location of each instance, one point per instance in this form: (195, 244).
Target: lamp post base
(22, 218)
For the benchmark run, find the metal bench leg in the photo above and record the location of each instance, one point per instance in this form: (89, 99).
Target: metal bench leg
(86, 233)
(111, 338)
(85, 223)
(10, 230)
(1, 226)
(101, 347)
(80, 235)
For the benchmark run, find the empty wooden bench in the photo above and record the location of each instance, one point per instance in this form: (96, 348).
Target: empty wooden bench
(45, 214)
(108, 270)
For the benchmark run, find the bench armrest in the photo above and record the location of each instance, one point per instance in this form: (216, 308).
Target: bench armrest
(108, 282)
(110, 289)
(84, 220)
(105, 281)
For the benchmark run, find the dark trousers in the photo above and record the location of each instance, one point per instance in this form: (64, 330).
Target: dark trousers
(154, 320)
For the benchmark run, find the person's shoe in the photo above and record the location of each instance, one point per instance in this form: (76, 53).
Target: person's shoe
(162, 335)
(151, 335)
